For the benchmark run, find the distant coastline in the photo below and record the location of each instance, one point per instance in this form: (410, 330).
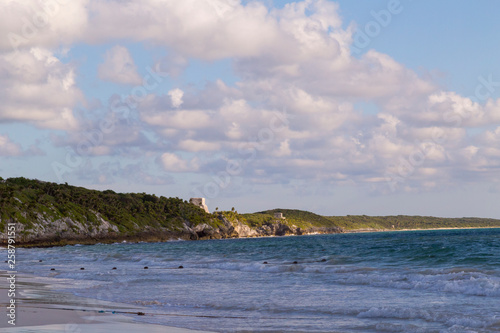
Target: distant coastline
(49, 214)
(354, 231)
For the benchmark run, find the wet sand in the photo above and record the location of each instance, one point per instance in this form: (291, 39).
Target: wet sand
(40, 309)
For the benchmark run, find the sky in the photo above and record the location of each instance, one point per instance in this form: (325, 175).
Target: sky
(337, 107)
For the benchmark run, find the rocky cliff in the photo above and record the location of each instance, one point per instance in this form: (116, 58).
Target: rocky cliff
(64, 231)
(232, 225)
(48, 214)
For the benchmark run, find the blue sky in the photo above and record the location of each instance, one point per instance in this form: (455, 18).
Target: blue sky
(339, 107)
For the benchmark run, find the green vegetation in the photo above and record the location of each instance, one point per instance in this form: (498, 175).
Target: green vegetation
(351, 222)
(26, 200)
(304, 220)
(299, 218)
(230, 215)
(40, 206)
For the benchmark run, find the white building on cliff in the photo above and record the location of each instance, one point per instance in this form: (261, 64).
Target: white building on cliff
(199, 202)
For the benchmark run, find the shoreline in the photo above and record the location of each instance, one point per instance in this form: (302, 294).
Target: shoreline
(40, 308)
(352, 231)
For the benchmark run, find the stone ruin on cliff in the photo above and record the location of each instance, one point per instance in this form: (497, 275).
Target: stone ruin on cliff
(199, 202)
(279, 216)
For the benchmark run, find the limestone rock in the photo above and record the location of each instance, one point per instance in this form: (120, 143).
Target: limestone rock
(244, 230)
(204, 231)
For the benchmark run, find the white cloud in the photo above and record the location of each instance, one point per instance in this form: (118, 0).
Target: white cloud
(37, 88)
(173, 163)
(295, 58)
(492, 137)
(182, 119)
(209, 33)
(121, 138)
(176, 97)
(197, 146)
(45, 24)
(119, 67)
(284, 149)
(9, 148)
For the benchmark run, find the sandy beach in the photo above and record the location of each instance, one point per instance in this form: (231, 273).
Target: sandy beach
(40, 309)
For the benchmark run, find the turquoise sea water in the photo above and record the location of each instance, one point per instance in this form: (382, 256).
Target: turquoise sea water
(415, 281)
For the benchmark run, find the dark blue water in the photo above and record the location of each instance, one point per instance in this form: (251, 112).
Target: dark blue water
(416, 281)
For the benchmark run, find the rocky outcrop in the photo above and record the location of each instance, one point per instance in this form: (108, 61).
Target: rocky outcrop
(46, 229)
(49, 232)
(245, 231)
(278, 229)
(227, 229)
(48, 214)
(237, 229)
(66, 231)
(205, 231)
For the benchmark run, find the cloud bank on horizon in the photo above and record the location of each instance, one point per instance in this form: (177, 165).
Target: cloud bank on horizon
(114, 94)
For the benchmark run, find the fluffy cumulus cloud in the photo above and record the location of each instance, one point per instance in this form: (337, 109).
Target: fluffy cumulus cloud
(176, 96)
(9, 148)
(173, 163)
(37, 88)
(44, 24)
(297, 110)
(215, 28)
(418, 136)
(119, 67)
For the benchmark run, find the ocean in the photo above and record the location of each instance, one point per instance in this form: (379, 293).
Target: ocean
(412, 281)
